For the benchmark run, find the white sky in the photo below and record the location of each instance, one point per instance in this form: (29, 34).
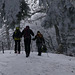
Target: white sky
(51, 64)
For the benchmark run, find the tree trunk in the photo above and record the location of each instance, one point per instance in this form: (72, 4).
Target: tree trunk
(7, 36)
(57, 34)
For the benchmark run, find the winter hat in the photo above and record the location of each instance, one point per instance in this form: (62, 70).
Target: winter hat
(38, 31)
(17, 27)
(27, 27)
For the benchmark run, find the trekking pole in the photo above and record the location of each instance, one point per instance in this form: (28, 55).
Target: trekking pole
(47, 54)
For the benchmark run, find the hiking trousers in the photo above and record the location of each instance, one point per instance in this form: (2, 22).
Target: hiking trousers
(17, 46)
(39, 45)
(27, 46)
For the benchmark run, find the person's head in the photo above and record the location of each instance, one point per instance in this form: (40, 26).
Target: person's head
(17, 28)
(27, 27)
(38, 32)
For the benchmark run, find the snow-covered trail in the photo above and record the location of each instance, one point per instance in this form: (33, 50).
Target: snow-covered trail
(18, 64)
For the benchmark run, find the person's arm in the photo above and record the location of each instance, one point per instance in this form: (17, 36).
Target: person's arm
(31, 32)
(34, 38)
(43, 39)
(22, 33)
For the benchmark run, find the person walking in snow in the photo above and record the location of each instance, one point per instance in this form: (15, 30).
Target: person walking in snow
(39, 42)
(17, 39)
(27, 32)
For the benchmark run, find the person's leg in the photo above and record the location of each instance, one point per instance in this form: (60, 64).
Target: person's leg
(18, 46)
(25, 44)
(39, 52)
(39, 49)
(28, 50)
(15, 46)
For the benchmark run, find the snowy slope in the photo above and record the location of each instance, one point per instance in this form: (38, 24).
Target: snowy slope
(51, 64)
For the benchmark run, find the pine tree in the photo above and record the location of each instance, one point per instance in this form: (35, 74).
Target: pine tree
(24, 11)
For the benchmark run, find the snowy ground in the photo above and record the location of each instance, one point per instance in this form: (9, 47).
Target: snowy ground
(51, 64)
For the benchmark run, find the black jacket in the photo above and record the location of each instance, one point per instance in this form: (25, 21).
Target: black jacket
(27, 33)
(39, 39)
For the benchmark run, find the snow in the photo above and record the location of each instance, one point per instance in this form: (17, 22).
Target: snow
(47, 64)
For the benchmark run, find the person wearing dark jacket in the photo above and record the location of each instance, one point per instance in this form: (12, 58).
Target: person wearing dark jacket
(17, 38)
(39, 42)
(27, 32)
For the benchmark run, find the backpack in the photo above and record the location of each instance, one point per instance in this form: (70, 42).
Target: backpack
(27, 34)
(17, 34)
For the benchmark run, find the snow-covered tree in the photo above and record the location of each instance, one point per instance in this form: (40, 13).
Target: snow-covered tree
(61, 14)
(11, 13)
